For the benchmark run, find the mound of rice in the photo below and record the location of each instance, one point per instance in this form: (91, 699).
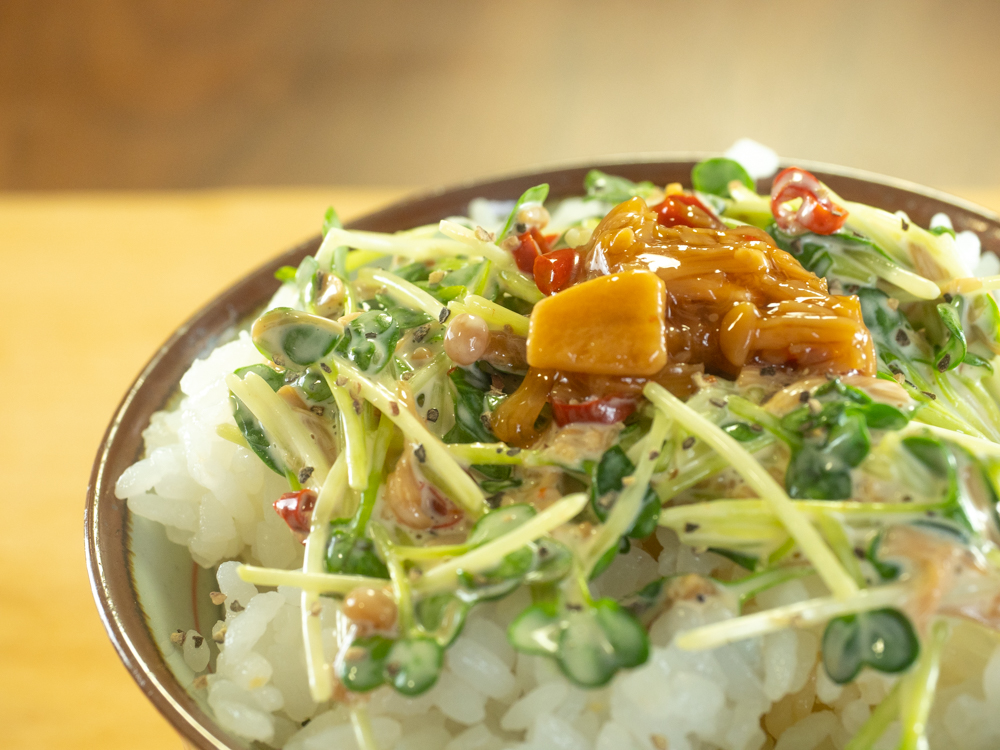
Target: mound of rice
(214, 497)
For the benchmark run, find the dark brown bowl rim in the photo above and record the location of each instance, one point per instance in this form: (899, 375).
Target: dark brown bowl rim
(106, 519)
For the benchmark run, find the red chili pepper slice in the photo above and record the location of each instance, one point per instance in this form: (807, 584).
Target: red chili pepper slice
(531, 245)
(601, 409)
(554, 269)
(296, 508)
(818, 213)
(684, 210)
(442, 511)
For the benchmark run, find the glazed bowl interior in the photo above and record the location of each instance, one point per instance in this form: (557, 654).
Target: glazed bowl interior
(146, 587)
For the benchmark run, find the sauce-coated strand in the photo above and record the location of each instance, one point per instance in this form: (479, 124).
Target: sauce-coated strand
(733, 297)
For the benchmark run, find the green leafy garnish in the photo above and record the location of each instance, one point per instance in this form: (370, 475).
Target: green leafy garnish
(714, 175)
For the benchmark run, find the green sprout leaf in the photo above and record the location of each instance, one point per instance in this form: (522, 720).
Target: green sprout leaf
(613, 189)
(441, 617)
(363, 665)
(607, 480)
(883, 639)
(714, 175)
(251, 428)
(413, 665)
(369, 341)
(536, 194)
(952, 352)
(350, 553)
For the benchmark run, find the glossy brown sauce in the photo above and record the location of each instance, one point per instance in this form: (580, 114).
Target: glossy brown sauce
(734, 298)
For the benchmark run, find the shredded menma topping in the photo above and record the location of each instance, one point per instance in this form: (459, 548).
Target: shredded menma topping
(802, 385)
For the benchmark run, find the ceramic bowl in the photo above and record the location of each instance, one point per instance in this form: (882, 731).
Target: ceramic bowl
(146, 587)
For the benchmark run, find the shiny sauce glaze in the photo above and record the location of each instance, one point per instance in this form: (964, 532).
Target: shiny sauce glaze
(733, 299)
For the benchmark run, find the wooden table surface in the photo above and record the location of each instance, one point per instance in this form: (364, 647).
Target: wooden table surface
(91, 285)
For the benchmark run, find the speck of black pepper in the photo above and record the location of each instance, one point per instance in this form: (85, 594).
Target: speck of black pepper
(804, 397)
(756, 428)
(419, 334)
(494, 500)
(859, 553)
(236, 607)
(542, 551)
(443, 315)
(499, 451)
(485, 419)
(690, 528)
(574, 607)
(700, 598)
(420, 399)
(513, 451)
(653, 455)
(907, 499)
(688, 443)
(317, 410)
(903, 224)
(198, 640)
(357, 405)
(432, 415)
(948, 298)
(421, 453)
(407, 375)
(371, 335)
(931, 514)
(304, 473)
(901, 338)
(520, 228)
(943, 363)
(768, 371)
(325, 367)
(717, 402)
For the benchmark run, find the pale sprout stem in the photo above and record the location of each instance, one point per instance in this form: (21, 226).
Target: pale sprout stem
(798, 615)
(279, 420)
(318, 668)
(496, 316)
(445, 575)
(802, 531)
(402, 291)
(460, 486)
(318, 583)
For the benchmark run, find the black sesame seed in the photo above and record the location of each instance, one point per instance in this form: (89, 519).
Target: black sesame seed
(688, 443)
(943, 363)
(513, 451)
(420, 399)
(421, 453)
(325, 367)
(717, 402)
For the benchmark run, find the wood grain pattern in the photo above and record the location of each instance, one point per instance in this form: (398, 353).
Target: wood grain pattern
(92, 284)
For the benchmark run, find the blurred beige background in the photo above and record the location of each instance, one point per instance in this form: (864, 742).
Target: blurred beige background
(186, 93)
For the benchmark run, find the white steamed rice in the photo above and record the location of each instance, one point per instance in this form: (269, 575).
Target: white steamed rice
(214, 497)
